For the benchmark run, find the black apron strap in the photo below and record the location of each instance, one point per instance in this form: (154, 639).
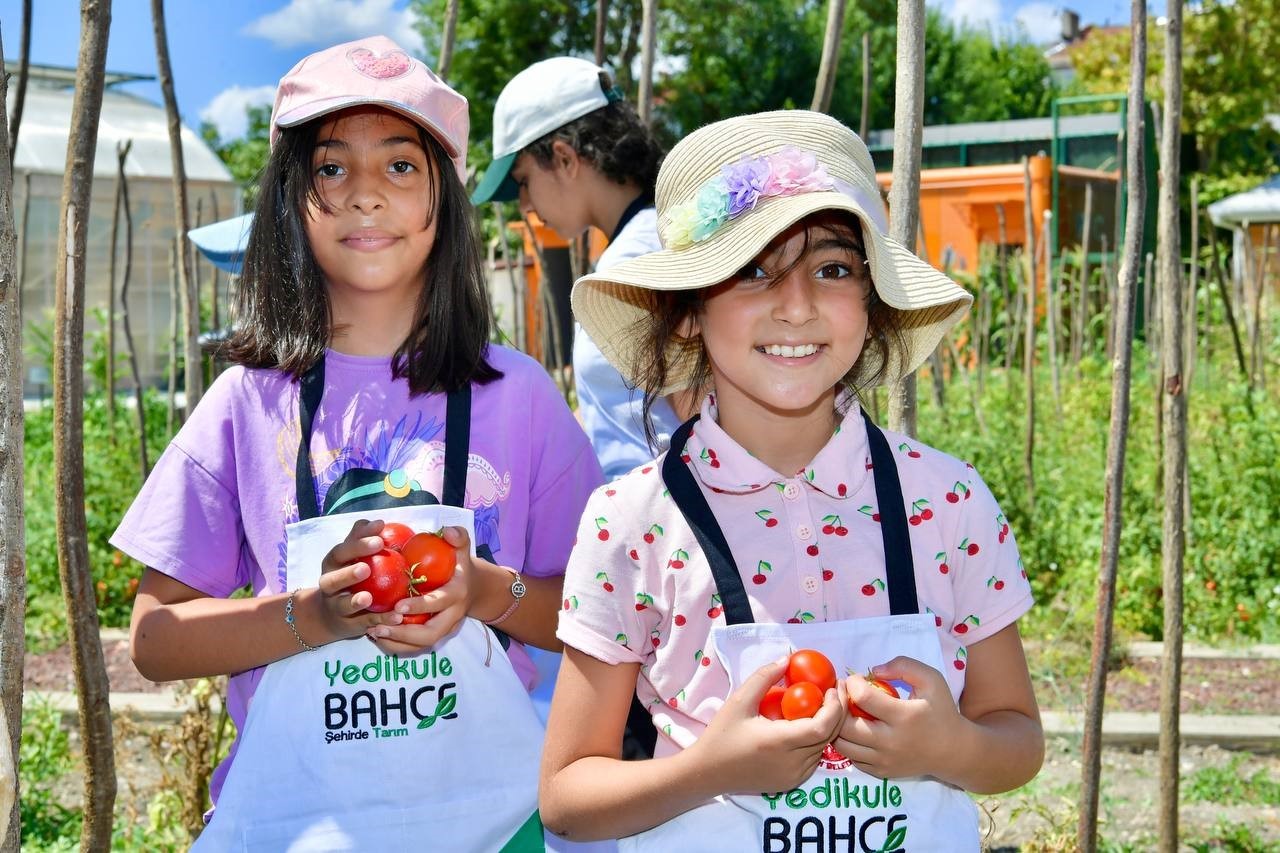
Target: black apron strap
(638, 204)
(310, 390)
(693, 505)
(457, 445)
(900, 574)
(900, 578)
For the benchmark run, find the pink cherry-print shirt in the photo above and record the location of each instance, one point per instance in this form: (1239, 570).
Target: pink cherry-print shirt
(638, 589)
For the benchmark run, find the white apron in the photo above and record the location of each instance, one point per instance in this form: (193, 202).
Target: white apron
(839, 808)
(347, 748)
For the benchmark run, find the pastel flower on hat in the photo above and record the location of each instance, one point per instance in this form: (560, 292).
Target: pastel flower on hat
(793, 171)
(713, 209)
(745, 181)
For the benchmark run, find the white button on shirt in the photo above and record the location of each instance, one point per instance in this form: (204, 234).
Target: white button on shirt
(804, 531)
(791, 491)
(810, 584)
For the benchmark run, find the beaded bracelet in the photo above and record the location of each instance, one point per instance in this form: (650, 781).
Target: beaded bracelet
(518, 590)
(289, 620)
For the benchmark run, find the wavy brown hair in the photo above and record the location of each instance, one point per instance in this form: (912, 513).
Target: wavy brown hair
(283, 319)
(662, 346)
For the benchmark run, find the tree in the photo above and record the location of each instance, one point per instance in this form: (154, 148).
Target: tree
(68, 436)
(13, 573)
(188, 298)
(1229, 83)
(20, 97)
(830, 57)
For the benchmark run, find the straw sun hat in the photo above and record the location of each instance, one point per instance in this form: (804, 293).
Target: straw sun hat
(724, 193)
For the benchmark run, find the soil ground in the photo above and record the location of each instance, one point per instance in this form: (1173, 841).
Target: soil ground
(1230, 800)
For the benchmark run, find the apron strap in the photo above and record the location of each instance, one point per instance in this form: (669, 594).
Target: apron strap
(638, 204)
(693, 505)
(310, 389)
(900, 578)
(900, 573)
(457, 442)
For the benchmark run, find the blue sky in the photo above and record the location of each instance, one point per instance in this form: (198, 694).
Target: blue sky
(227, 53)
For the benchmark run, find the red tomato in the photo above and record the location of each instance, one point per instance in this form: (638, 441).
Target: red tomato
(813, 667)
(874, 682)
(416, 618)
(431, 561)
(394, 535)
(802, 699)
(771, 704)
(388, 581)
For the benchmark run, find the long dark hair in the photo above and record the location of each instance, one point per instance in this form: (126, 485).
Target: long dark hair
(282, 313)
(662, 347)
(611, 138)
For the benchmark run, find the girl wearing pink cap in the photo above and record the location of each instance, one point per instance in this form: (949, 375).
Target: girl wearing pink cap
(365, 391)
(781, 520)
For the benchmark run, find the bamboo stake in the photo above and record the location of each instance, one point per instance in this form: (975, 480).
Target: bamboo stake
(174, 328)
(1192, 310)
(1029, 346)
(1091, 758)
(826, 81)
(1226, 299)
(904, 192)
(864, 119)
(1082, 312)
(111, 317)
(122, 151)
(1174, 415)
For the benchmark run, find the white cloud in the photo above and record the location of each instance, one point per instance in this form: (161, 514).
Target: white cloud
(321, 23)
(976, 14)
(1041, 21)
(227, 110)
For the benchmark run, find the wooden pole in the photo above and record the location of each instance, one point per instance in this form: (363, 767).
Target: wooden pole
(648, 37)
(13, 563)
(1117, 439)
(1029, 344)
(602, 14)
(122, 151)
(446, 40)
(20, 94)
(1080, 318)
(74, 569)
(1216, 263)
(904, 194)
(111, 316)
(864, 120)
(189, 300)
(1174, 408)
(826, 81)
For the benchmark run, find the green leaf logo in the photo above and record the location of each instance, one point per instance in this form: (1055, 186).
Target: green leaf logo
(894, 841)
(443, 709)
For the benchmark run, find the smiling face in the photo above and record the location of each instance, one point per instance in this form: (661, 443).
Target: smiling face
(782, 334)
(373, 223)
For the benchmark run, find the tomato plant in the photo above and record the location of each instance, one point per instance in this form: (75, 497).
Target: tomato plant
(813, 667)
(802, 699)
(888, 688)
(771, 704)
(388, 580)
(394, 535)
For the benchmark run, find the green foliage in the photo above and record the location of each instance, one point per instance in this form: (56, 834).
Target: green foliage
(246, 155)
(1227, 786)
(1233, 440)
(1229, 85)
(45, 757)
(112, 478)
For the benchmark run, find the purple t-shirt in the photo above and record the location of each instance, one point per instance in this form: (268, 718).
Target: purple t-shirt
(212, 514)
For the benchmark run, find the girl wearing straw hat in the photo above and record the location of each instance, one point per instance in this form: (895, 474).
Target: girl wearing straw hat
(782, 518)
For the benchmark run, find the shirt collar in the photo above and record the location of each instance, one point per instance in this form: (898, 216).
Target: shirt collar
(839, 469)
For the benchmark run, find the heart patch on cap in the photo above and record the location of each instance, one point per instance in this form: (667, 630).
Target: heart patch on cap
(385, 66)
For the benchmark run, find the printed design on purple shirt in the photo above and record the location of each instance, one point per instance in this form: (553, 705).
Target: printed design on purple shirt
(404, 461)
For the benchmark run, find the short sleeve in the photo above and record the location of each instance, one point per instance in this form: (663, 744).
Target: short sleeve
(186, 519)
(605, 601)
(564, 471)
(991, 585)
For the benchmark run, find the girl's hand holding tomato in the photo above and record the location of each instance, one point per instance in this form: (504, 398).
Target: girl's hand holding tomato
(895, 737)
(349, 587)
(744, 751)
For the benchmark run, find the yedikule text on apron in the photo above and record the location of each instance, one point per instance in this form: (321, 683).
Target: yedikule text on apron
(347, 748)
(839, 808)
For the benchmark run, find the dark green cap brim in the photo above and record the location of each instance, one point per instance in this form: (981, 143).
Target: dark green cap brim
(497, 183)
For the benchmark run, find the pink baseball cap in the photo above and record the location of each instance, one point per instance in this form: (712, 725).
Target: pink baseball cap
(375, 71)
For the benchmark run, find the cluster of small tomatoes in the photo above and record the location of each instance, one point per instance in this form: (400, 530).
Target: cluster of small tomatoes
(409, 564)
(808, 677)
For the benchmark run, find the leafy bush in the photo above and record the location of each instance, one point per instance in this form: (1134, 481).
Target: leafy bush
(112, 478)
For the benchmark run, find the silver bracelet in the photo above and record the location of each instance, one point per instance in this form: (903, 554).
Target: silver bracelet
(289, 620)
